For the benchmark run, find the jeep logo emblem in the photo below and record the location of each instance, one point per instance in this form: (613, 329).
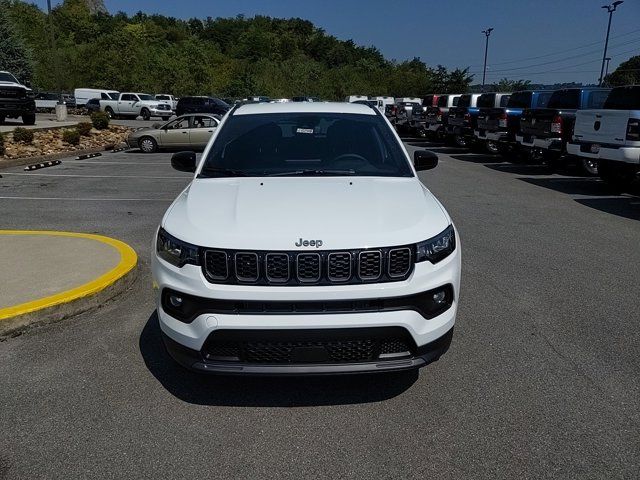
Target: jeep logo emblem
(309, 243)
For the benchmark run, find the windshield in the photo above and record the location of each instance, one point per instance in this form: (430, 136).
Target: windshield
(7, 77)
(296, 144)
(144, 96)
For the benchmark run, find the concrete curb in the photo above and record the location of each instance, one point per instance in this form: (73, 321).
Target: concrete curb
(18, 162)
(17, 318)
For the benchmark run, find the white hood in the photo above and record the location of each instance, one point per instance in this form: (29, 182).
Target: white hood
(274, 213)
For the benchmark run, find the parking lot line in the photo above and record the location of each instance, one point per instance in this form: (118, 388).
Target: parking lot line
(94, 176)
(76, 199)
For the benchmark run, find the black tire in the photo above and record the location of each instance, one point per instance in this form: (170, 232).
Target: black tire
(145, 114)
(148, 145)
(29, 118)
(110, 113)
(616, 174)
(588, 167)
(492, 147)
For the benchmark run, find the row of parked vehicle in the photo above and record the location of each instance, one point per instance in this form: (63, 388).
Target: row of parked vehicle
(597, 129)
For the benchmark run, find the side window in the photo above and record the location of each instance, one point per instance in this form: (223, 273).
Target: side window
(127, 98)
(179, 123)
(596, 99)
(455, 101)
(204, 122)
(104, 96)
(504, 100)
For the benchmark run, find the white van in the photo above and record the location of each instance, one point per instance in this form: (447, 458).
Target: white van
(83, 95)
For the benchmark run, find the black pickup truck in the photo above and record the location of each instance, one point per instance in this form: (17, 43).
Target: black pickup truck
(497, 127)
(545, 132)
(16, 100)
(463, 119)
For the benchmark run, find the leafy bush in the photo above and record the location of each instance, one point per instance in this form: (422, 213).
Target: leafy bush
(100, 120)
(23, 135)
(71, 137)
(84, 128)
(2, 149)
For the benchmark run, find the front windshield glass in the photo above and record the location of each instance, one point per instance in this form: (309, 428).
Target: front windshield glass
(144, 96)
(7, 77)
(306, 144)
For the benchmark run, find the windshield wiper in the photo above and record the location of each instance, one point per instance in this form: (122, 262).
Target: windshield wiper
(312, 172)
(210, 172)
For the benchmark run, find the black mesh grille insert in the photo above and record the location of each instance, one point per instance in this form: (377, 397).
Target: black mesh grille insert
(217, 266)
(247, 266)
(339, 266)
(399, 262)
(308, 267)
(277, 267)
(370, 265)
(307, 346)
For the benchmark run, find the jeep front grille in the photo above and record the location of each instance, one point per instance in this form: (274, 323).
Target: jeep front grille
(308, 268)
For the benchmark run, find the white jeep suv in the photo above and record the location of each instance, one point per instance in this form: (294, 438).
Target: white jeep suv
(306, 244)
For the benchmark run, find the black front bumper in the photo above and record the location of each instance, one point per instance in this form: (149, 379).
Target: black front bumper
(195, 361)
(17, 107)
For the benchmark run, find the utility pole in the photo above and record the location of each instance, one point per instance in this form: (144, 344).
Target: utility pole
(610, 8)
(486, 32)
(606, 68)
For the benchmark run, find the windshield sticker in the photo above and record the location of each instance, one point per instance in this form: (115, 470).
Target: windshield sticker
(305, 130)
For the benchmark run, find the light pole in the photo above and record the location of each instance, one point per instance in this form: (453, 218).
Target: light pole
(486, 32)
(606, 68)
(610, 8)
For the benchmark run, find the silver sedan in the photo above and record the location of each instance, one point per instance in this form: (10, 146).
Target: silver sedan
(187, 131)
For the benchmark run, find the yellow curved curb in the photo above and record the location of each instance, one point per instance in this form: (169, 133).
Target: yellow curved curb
(128, 260)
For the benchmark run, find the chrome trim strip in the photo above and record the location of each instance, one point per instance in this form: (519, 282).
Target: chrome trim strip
(319, 268)
(389, 262)
(247, 279)
(337, 280)
(226, 262)
(266, 268)
(370, 277)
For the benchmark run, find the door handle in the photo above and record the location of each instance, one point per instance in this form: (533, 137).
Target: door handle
(210, 131)
(184, 133)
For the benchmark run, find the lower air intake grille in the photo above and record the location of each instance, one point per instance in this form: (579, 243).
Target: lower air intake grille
(307, 346)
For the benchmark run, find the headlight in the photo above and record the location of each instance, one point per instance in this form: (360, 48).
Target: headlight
(175, 251)
(438, 247)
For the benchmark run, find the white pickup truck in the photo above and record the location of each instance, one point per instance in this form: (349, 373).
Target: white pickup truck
(134, 105)
(170, 99)
(611, 136)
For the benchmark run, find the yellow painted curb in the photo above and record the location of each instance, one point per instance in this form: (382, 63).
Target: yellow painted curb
(128, 260)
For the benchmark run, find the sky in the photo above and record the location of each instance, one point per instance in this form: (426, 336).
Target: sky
(545, 41)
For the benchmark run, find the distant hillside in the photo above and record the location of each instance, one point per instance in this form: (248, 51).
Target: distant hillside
(232, 57)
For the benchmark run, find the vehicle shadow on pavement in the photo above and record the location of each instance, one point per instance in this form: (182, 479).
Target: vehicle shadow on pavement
(479, 158)
(615, 203)
(202, 389)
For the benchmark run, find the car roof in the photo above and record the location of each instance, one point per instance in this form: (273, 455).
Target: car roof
(305, 107)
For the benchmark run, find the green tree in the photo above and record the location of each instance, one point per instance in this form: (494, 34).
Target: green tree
(14, 55)
(627, 73)
(506, 85)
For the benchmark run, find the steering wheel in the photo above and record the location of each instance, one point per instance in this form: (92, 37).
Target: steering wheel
(350, 155)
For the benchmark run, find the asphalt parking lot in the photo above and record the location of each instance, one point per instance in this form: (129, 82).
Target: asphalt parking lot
(541, 380)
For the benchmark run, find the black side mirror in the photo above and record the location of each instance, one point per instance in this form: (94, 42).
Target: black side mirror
(184, 161)
(424, 160)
